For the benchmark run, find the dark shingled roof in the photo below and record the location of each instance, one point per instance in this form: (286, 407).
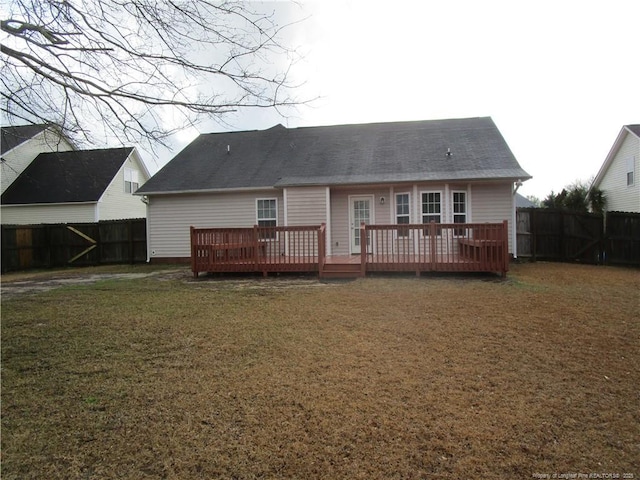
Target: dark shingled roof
(63, 177)
(340, 155)
(14, 136)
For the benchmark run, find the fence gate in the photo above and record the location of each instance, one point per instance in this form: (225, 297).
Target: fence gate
(59, 245)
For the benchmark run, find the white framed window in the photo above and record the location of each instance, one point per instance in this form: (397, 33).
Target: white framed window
(431, 207)
(130, 180)
(403, 213)
(459, 204)
(431, 204)
(631, 171)
(267, 215)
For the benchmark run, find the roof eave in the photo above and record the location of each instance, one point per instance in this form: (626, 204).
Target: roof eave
(44, 204)
(205, 190)
(610, 156)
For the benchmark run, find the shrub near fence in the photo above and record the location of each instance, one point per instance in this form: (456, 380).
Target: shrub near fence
(557, 235)
(78, 244)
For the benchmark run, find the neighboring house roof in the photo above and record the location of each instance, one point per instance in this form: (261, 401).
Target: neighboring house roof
(64, 177)
(626, 129)
(15, 135)
(340, 155)
(523, 202)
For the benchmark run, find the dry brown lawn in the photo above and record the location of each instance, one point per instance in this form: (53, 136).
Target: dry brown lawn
(380, 378)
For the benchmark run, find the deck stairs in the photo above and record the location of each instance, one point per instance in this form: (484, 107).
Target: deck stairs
(341, 270)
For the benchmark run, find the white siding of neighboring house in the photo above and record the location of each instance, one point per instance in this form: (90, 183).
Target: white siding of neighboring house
(493, 203)
(620, 196)
(170, 217)
(42, 213)
(18, 159)
(115, 203)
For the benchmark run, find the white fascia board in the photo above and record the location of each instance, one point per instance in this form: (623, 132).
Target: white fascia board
(210, 190)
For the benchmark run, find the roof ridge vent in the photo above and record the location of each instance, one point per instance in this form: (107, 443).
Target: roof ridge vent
(449, 152)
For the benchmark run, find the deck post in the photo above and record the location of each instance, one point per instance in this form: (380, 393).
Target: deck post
(505, 248)
(432, 244)
(363, 249)
(193, 252)
(322, 248)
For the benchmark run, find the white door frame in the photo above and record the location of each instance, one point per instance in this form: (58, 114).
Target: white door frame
(353, 249)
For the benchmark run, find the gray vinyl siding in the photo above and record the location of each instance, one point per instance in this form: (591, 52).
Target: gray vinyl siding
(306, 205)
(170, 217)
(620, 196)
(493, 203)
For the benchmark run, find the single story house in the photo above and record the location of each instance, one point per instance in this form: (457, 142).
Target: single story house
(417, 172)
(618, 176)
(77, 186)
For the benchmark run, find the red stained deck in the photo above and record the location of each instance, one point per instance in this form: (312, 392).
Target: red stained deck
(389, 248)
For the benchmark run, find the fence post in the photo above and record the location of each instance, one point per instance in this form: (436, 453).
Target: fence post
(532, 228)
(561, 240)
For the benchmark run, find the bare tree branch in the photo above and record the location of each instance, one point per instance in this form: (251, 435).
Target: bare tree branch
(123, 63)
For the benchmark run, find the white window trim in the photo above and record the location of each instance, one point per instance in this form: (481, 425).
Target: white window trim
(395, 211)
(131, 176)
(276, 217)
(631, 169)
(466, 205)
(421, 213)
(453, 210)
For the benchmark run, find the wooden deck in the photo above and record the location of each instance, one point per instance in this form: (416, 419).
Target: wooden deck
(389, 248)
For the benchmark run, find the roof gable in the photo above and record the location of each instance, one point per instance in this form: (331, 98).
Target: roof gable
(624, 131)
(342, 154)
(64, 177)
(16, 135)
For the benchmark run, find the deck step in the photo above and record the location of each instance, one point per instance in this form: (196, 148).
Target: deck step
(341, 270)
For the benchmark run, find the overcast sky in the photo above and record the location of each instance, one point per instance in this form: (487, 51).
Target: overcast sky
(559, 78)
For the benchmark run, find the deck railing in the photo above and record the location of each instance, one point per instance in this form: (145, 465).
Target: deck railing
(258, 249)
(456, 247)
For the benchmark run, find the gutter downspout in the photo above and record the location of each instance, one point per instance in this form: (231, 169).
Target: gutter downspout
(514, 229)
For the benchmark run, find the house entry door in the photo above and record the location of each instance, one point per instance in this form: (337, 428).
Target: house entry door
(360, 212)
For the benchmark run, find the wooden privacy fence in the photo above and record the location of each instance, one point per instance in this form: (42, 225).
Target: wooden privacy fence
(556, 235)
(622, 238)
(57, 245)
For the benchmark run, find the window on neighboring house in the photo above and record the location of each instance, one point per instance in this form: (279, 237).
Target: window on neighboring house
(431, 208)
(459, 210)
(402, 213)
(267, 216)
(130, 180)
(630, 171)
